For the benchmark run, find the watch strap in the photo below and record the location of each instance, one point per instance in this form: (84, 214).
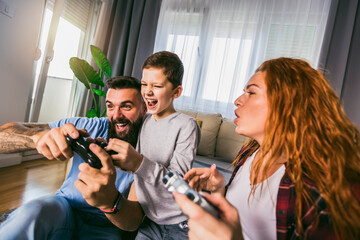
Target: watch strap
(117, 205)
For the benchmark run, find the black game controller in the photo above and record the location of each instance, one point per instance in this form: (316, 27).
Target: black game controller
(173, 181)
(104, 145)
(81, 147)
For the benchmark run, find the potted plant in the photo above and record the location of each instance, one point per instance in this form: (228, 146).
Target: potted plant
(92, 79)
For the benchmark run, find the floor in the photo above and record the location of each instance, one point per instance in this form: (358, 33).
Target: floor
(35, 178)
(29, 180)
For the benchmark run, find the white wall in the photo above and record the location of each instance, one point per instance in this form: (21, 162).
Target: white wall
(18, 42)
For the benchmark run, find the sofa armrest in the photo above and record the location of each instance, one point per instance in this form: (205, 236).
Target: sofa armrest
(68, 167)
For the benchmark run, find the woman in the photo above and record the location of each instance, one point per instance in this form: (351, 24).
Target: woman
(299, 175)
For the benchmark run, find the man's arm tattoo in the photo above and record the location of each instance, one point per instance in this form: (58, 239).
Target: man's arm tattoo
(17, 137)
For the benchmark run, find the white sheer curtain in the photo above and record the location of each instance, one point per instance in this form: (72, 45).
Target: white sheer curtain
(222, 42)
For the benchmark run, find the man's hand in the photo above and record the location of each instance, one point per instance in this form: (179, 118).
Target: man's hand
(202, 225)
(98, 185)
(127, 157)
(52, 143)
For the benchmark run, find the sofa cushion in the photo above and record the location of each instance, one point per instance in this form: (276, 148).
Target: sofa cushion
(209, 130)
(199, 122)
(228, 142)
(188, 112)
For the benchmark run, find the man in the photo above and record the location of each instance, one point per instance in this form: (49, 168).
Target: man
(67, 214)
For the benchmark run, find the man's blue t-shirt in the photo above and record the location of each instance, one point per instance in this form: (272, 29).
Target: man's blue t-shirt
(97, 127)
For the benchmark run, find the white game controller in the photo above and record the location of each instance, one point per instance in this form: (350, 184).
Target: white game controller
(173, 181)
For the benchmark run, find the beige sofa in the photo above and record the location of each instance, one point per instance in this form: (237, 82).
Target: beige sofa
(219, 142)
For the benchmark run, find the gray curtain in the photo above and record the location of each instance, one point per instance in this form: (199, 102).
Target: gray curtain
(340, 55)
(132, 35)
(129, 38)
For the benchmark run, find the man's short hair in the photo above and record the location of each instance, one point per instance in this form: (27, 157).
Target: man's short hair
(170, 63)
(122, 82)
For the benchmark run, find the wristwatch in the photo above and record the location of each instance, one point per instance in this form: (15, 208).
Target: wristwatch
(117, 205)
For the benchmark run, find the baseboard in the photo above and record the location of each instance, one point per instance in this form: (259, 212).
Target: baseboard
(10, 159)
(31, 155)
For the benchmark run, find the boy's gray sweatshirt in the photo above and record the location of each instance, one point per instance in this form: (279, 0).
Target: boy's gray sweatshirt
(167, 144)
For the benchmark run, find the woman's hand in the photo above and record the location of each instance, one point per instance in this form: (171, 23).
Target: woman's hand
(202, 225)
(209, 179)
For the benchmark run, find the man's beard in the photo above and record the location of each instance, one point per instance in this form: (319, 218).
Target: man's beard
(131, 136)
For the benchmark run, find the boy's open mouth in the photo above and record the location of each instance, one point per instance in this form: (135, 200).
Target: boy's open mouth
(151, 103)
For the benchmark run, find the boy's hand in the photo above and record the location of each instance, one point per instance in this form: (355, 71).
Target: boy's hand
(97, 186)
(127, 157)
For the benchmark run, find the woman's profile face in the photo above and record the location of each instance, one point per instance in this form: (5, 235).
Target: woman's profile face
(252, 108)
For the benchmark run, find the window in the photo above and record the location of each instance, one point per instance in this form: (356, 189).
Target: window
(222, 42)
(68, 27)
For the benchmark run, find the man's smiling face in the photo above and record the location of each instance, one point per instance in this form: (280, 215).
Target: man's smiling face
(125, 111)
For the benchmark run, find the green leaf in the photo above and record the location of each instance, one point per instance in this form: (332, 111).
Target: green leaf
(84, 72)
(103, 113)
(100, 93)
(101, 60)
(91, 113)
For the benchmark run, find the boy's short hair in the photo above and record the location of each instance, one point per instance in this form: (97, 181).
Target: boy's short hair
(122, 82)
(170, 63)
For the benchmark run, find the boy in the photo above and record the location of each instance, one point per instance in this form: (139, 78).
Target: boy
(167, 141)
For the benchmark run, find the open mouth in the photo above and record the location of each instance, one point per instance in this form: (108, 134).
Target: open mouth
(120, 126)
(151, 103)
(236, 114)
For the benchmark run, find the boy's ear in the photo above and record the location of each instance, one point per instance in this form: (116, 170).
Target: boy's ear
(177, 91)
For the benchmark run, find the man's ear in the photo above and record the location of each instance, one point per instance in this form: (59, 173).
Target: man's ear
(177, 91)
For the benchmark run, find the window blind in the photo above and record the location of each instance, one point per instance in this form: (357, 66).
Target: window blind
(76, 11)
(295, 41)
